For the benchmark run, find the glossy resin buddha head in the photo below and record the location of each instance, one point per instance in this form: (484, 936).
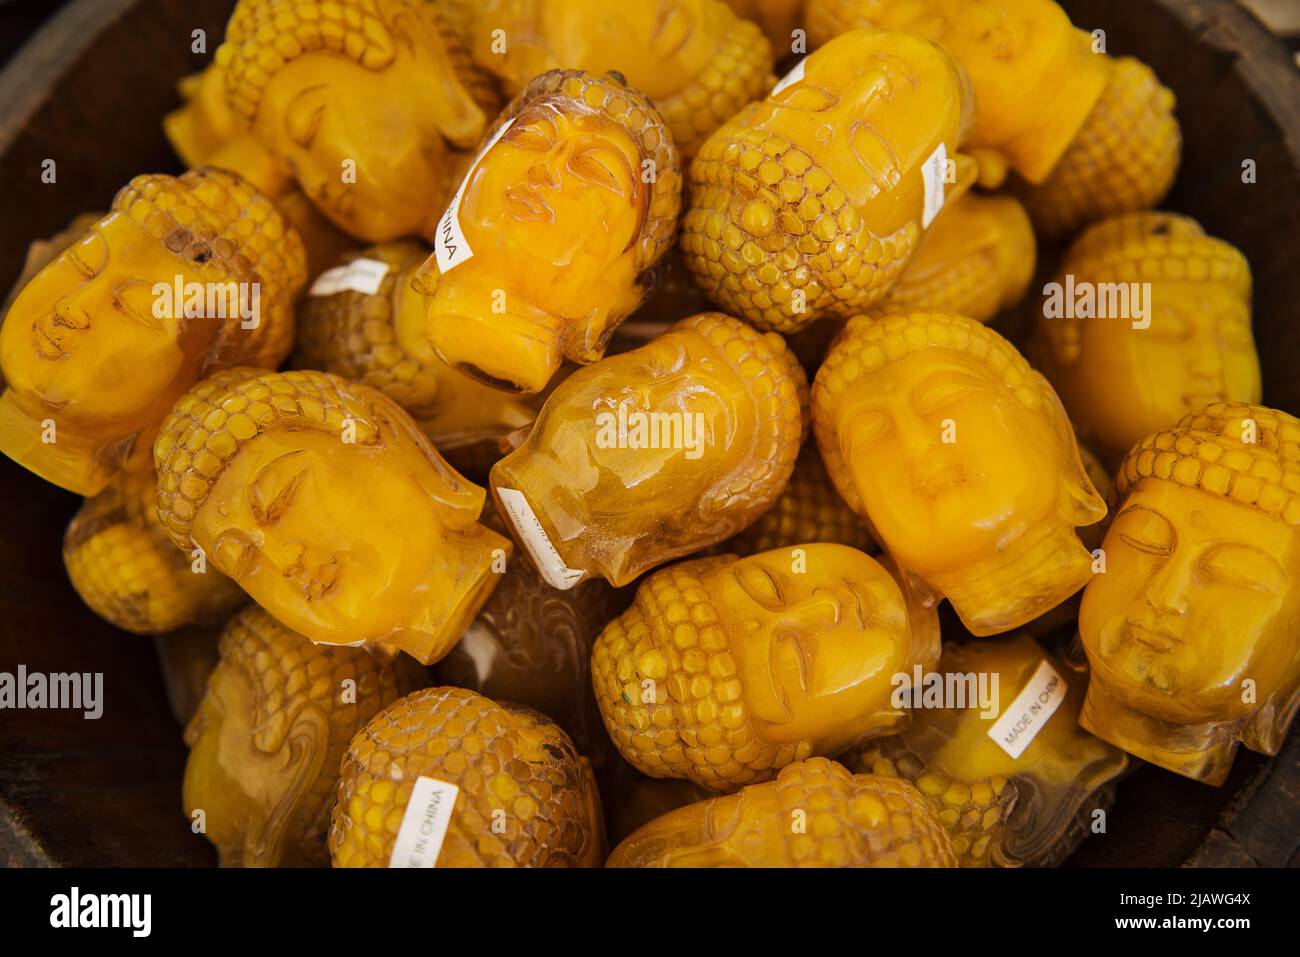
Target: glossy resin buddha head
(378, 339)
(309, 79)
(998, 809)
(523, 796)
(268, 736)
(1167, 330)
(655, 453)
(1193, 632)
(812, 201)
(976, 261)
(326, 503)
(1034, 81)
(725, 670)
(124, 566)
(185, 276)
(695, 59)
(959, 454)
(553, 237)
(815, 814)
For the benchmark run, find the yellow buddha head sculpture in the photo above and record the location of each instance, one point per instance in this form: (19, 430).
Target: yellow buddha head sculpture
(655, 453)
(185, 276)
(377, 338)
(725, 670)
(999, 809)
(519, 793)
(814, 814)
(269, 733)
(812, 201)
(695, 59)
(363, 99)
(1151, 322)
(1034, 81)
(124, 566)
(1193, 632)
(1123, 159)
(937, 431)
(326, 503)
(554, 235)
(977, 260)
(777, 18)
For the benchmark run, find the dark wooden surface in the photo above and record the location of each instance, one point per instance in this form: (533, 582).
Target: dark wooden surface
(89, 92)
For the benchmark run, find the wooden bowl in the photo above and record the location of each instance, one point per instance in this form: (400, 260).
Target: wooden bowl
(89, 91)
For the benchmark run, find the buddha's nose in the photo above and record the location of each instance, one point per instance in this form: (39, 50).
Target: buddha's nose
(1168, 591)
(542, 176)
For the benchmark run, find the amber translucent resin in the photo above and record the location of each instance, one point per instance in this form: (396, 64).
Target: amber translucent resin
(1123, 374)
(1191, 633)
(1123, 159)
(552, 239)
(329, 506)
(1035, 81)
(999, 810)
(815, 814)
(960, 456)
(725, 670)
(809, 510)
(531, 644)
(378, 340)
(124, 566)
(695, 59)
(307, 78)
(526, 798)
(812, 201)
(268, 736)
(655, 453)
(976, 261)
(98, 345)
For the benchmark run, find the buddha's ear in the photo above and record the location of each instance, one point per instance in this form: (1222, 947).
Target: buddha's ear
(1266, 730)
(1088, 507)
(302, 757)
(460, 120)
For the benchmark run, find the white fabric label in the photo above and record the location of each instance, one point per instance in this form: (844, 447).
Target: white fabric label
(360, 275)
(547, 559)
(791, 78)
(933, 171)
(449, 244)
(424, 824)
(1029, 712)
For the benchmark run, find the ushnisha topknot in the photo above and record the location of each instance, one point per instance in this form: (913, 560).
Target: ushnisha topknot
(866, 345)
(1211, 450)
(610, 96)
(1145, 247)
(263, 35)
(210, 423)
(229, 232)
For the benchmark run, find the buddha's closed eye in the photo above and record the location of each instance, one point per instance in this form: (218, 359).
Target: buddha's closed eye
(272, 492)
(303, 118)
(760, 584)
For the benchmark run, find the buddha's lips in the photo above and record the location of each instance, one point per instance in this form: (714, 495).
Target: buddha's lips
(1159, 641)
(941, 480)
(55, 334)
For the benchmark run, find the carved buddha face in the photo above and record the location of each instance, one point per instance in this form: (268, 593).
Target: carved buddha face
(816, 649)
(1199, 595)
(987, 484)
(660, 46)
(1129, 382)
(347, 542)
(243, 791)
(331, 116)
(552, 212)
(853, 90)
(82, 343)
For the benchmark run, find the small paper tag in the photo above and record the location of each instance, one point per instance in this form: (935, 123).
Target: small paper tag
(547, 559)
(360, 275)
(424, 824)
(791, 78)
(449, 244)
(1029, 712)
(934, 170)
